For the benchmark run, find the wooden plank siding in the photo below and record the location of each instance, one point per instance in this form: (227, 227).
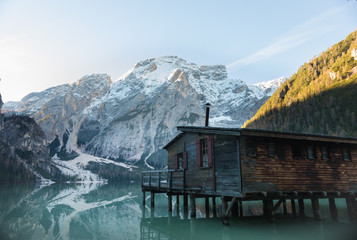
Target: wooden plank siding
(284, 172)
(196, 177)
(227, 167)
(234, 173)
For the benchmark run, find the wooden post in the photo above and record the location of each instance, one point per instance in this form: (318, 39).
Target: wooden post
(225, 220)
(214, 207)
(333, 209)
(293, 208)
(207, 206)
(185, 200)
(152, 199)
(285, 210)
(268, 209)
(301, 208)
(235, 209)
(177, 201)
(193, 206)
(350, 208)
(143, 198)
(169, 197)
(240, 209)
(316, 208)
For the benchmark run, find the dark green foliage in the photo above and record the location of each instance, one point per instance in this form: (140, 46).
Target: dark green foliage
(320, 98)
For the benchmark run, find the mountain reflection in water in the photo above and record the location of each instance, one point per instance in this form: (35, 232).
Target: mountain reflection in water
(114, 211)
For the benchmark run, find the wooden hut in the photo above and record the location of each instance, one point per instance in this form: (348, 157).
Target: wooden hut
(240, 164)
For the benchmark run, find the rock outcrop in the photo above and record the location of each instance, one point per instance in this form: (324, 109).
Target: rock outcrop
(132, 118)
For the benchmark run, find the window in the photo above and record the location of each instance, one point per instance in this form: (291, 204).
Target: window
(271, 149)
(296, 150)
(251, 151)
(311, 152)
(346, 154)
(204, 152)
(180, 160)
(324, 152)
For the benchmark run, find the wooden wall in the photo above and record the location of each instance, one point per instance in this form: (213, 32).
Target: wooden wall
(287, 173)
(226, 164)
(196, 177)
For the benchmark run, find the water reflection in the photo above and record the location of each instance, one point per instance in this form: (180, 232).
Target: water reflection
(70, 212)
(114, 211)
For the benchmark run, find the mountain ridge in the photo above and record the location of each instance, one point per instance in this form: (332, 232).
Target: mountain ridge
(130, 118)
(320, 98)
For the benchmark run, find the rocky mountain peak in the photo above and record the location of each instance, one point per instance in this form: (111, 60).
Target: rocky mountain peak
(131, 118)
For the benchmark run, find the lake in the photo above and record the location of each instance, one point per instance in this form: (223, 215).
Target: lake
(115, 211)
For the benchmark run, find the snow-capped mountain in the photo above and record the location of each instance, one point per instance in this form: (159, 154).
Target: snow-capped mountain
(133, 117)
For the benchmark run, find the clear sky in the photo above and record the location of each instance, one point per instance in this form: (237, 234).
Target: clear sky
(46, 43)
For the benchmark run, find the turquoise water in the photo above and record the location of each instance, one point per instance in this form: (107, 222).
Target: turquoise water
(115, 211)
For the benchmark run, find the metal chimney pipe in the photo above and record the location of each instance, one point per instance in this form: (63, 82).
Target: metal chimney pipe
(207, 114)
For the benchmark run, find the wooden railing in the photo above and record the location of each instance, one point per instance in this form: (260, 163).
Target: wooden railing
(163, 180)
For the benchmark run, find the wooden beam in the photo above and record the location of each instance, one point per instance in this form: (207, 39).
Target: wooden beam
(301, 208)
(316, 208)
(169, 198)
(193, 206)
(333, 209)
(293, 208)
(285, 210)
(230, 206)
(350, 208)
(144, 198)
(207, 206)
(268, 209)
(277, 205)
(240, 209)
(152, 199)
(185, 200)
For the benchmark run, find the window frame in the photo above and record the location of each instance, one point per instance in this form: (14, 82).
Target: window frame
(204, 152)
(253, 147)
(327, 152)
(296, 150)
(180, 162)
(274, 149)
(313, 151)
(348, 152)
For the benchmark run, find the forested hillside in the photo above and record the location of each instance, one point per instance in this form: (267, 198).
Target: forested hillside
(320, 98)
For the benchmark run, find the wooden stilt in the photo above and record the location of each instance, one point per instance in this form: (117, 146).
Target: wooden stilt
(143, 198)
(177, 201)
(193, 206)
(214, 206)
(285, 210)
(301, 208)
(225, 220)
(293, 208)
(268, 209)
(316, 208)
(169, 197)
(185, 201)
(240, 209)
(350, 208)
(152, 199)
(207, 206)
(333, 209)
(235, 209)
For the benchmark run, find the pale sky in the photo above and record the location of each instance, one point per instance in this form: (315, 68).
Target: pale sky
(46, 43)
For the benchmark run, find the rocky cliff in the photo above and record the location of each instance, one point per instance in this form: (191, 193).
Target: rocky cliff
(132, 118)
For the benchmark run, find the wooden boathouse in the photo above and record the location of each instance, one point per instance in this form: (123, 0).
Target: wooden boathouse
(239, 164)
